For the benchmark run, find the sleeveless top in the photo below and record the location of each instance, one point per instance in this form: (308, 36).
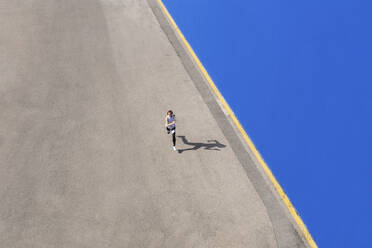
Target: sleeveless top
(170, 120)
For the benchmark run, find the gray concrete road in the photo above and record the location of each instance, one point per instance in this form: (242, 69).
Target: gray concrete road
(84, 157)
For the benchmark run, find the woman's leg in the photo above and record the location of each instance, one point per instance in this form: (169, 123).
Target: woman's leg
(174, 138)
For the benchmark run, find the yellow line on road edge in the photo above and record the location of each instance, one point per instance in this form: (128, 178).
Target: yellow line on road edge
(243, 132)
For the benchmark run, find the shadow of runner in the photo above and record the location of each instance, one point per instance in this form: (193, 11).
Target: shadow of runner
(207, 146)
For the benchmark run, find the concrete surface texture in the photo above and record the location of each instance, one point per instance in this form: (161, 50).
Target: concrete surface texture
(84, 157)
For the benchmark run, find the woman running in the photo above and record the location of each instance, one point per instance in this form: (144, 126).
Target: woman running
(170, 125)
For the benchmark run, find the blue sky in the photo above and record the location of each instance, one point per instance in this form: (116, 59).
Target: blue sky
(298, 75)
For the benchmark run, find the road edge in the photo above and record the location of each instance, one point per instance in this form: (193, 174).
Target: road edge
(183, 48)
